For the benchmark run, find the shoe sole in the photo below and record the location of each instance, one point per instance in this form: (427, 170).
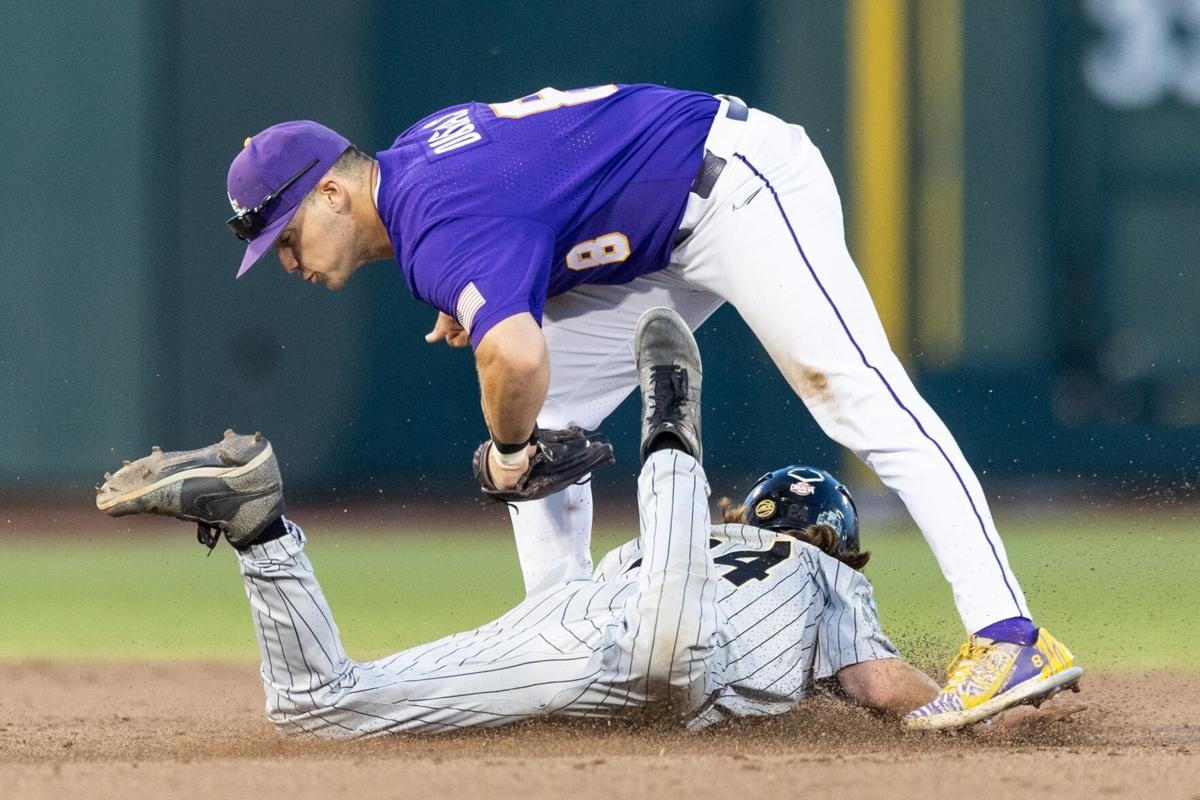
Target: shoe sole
(1034, 692)
(183, 475)
(672, 317)
(692, 355)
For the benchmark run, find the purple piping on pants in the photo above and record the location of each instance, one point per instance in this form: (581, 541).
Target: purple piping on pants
(888, 386)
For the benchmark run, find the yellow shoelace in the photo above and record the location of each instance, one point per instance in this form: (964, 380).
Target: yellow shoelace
(960, 667)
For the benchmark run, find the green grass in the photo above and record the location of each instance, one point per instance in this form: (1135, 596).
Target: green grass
(1119, 593)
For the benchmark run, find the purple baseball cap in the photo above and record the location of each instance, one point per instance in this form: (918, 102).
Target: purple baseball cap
(275, 170)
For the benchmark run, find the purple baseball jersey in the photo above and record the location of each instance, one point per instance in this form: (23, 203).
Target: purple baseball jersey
(493, 208)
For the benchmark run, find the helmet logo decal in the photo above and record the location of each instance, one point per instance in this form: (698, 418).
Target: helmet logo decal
(833, 519)
(804, 482)
(765, 509)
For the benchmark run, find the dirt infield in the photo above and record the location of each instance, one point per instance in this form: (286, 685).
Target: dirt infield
(194, 730)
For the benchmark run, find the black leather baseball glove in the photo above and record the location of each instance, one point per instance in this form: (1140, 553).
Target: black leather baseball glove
(560, 458)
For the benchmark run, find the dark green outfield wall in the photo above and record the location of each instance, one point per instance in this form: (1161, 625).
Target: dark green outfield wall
(121, 326)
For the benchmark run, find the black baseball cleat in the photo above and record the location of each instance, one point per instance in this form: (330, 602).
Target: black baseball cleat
(669, 376)
(231, 487)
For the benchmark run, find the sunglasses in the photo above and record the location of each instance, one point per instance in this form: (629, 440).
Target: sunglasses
(250, 224)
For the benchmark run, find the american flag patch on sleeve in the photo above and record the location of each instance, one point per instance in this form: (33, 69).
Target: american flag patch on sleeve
(469, 302)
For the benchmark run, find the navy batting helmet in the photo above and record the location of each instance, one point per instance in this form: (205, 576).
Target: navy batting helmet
(795, 497)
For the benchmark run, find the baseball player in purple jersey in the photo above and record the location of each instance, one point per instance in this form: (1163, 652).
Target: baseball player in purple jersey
(543, 227)
(694, 622)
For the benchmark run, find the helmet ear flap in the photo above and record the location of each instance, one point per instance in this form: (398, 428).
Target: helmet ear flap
(850, 540)
(849, 497)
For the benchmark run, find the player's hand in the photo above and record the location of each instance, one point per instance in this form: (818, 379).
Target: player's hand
(554, 461)
(507, 476)
(447, 328)
(1025, 719)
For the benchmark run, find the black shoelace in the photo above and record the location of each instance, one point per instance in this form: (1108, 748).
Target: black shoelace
(207, 536)
(670, 391)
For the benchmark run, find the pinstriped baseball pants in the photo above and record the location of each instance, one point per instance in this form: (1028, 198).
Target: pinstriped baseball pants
(580, 648)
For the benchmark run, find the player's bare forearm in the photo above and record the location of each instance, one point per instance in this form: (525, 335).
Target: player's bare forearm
(514, 376)
(888, 685)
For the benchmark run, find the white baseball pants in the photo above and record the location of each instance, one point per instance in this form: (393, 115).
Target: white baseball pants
(769, 240)
(578, 648)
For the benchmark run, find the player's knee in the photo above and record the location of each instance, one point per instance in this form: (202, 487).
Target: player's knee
(676, 674)
(672, 639)
(659, 659)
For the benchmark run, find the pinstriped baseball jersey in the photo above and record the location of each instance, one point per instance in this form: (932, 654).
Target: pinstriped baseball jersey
(790, 615)
(697, 622)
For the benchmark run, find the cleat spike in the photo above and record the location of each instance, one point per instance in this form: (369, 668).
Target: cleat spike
(97, 488)
(164, 483)
(125, 463)
(155, 449)
(229, 433)
(258, 436)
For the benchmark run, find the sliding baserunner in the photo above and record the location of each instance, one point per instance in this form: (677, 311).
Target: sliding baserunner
(691, 622)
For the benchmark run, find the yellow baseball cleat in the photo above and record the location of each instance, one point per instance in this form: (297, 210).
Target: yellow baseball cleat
(987, 677)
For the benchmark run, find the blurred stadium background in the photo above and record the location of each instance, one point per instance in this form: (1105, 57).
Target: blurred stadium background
(1022, 182)
(1022, 188)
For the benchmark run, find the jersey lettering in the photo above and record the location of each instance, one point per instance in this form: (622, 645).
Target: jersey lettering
(549, 99)
(451, 132)
(611, 248)
(754, 565)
